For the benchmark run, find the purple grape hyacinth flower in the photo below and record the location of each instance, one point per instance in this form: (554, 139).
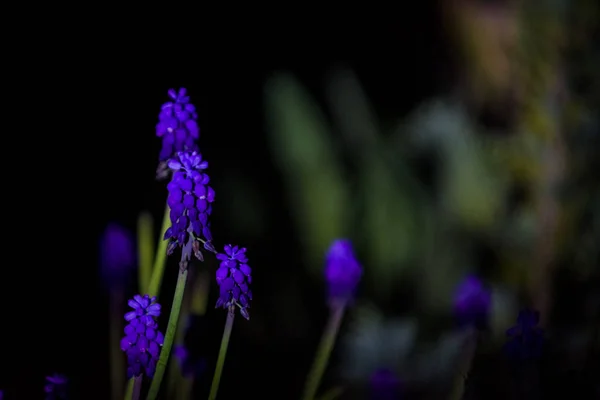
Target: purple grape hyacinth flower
(526, 339)
(177, 125)
(117, 253)
(384, 385)
(56, 387)
(234, 277)
(472, 303)
(342, 270)
(190, 200)
(142, 339)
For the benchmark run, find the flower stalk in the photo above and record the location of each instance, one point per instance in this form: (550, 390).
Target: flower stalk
(137, 387)
(173, 322)
(324, 352)
(214, 388)
(160, 259)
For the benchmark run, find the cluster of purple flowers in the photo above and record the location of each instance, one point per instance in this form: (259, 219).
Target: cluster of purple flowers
(56, 387)
(177, 125)
(234, 276)
(526, 339)
(142, 339)
(342, 270)
(190, 200)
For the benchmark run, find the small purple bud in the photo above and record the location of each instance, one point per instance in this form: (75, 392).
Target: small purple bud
(342, 270)
(472, 303)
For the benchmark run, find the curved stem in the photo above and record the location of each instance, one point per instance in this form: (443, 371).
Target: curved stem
(214, 388)
(160, 260)
(172, 325)
(325, 348)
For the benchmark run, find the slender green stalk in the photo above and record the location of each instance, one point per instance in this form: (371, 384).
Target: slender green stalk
(117, 361)
(464, 366)
(180, 387)
(137, 387)
(160, 260)
(170, 334)
(324, 351)
(214, 388)
(145, 236)
(175, 378)
(129, 389)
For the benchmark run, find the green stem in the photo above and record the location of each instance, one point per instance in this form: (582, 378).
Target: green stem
(117, 361)
(129, 389)
(464, 366)
(170, 334)
(324, 351)
(179, 385)
(145, 236)
(214, 388)
(137, 387)
(160, 260)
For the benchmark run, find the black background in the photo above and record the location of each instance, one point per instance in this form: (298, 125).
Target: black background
(86, 154)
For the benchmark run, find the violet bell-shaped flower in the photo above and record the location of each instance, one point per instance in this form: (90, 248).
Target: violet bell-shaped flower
(234, 277)
(142, 339)
(177, 125)
(342, 270)
(472, 303)
(190, 200)
(117, 254)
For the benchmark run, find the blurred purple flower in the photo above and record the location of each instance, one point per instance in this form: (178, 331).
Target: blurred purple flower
(56, 387)
(472, 303)
(526, 339)
(177, 125)
(234, 276)
(142, 339)
(189, 366)
(342, 270)
(1, 395)
(384, 385)
(117, 253)
(190, 200)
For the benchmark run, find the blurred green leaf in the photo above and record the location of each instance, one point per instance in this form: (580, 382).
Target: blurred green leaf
(391, 213)
(352, 112)
(301, 144)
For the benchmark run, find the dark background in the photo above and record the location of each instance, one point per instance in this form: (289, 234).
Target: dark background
(91, 160)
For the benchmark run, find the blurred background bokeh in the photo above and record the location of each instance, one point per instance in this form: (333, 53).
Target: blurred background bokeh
(443, 138)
